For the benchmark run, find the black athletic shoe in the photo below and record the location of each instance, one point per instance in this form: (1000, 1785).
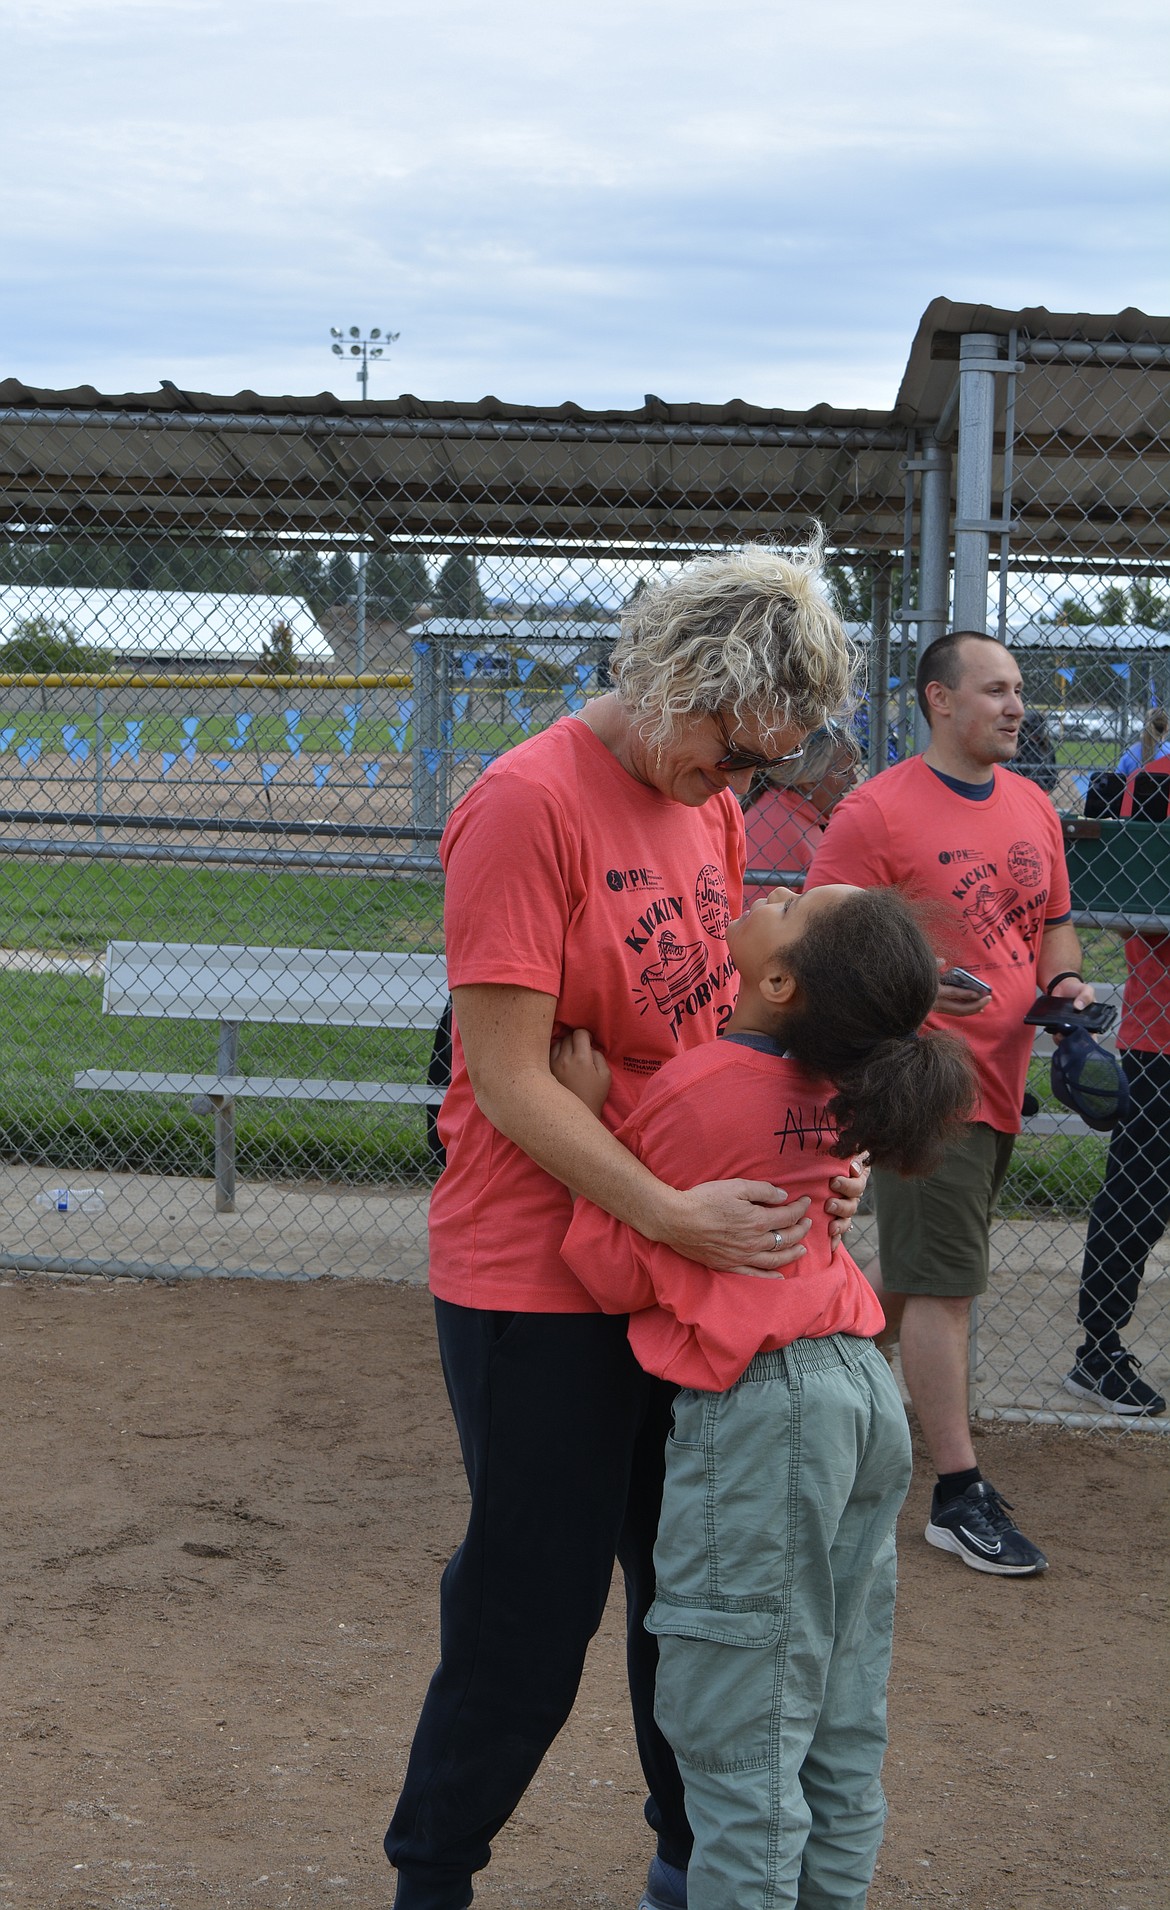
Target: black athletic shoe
(977, 1528)
(666, 1887)
(1111, 1379)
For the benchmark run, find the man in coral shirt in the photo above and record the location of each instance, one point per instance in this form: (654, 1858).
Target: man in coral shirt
(955, 826)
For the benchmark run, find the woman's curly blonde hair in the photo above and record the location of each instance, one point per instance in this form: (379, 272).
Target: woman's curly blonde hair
(749, 632)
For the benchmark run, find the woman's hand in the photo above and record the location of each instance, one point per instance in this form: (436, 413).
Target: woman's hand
(735, 1226)
(581, 1068)
(848, 1189)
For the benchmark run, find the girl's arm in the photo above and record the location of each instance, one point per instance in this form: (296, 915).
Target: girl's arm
(731, 1225)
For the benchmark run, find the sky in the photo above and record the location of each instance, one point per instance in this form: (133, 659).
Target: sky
(553, 200)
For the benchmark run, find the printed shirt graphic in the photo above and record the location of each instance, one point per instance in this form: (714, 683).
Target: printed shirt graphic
(719, 1112)
(567, 876)
(1145, 1008)
(999, 868)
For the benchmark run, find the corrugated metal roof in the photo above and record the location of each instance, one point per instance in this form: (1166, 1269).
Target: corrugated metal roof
(1091, 449)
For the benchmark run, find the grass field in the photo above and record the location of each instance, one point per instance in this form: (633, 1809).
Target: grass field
(54, 1023)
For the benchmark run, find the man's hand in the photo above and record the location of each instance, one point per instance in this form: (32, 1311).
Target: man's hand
(958, 1001)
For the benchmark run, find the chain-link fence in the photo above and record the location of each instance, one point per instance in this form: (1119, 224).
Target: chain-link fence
(251, 651)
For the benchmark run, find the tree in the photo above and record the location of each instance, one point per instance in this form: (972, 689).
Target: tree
(44, 647)
(278, 658)
(1113, 605)
(340, 580)
(457, 591)
(397, 582)
(1148, 607)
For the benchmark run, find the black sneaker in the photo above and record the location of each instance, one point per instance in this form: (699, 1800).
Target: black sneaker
(976, 1526)
(1111, 1379)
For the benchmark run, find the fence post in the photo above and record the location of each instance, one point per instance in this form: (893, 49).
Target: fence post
(226, 1063)
(99, 744)
(879, 676)
(428, 758)
(973, 478)
(934, 566)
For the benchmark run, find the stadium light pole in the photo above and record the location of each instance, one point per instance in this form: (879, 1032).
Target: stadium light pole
(352, 344)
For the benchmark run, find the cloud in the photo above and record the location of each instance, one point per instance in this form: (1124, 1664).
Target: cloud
(576, 201)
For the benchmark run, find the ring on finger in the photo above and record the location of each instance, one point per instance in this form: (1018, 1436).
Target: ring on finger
(779, 1239)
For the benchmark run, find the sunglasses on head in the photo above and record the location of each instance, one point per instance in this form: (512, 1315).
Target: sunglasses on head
(738, 758)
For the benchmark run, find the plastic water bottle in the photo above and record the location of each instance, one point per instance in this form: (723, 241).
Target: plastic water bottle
(71, 1200)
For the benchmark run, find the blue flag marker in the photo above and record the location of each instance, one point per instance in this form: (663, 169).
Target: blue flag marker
(583, 672)
(431, 760)
(170, 758)
(6, 737)
(29, 752)
(189, 752)
(268, 771)
(397, 736)
(1120, 669)
(486, 758)
(575, 700)
(320, 775)
(219, 764)
(459, 706)
(524, 667)
(468, 665)
(190, 725)
(373, 771)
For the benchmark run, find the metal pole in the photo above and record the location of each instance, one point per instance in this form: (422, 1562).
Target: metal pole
(879, 681)
(973, 478)
(934, 541)
(226, 1064)
(359, 636)
(99, 744)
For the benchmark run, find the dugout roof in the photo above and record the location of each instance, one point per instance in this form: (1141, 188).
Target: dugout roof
(1092, 439)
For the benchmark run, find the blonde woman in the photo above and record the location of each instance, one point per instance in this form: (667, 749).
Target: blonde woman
(1151, 745)
(591, 876)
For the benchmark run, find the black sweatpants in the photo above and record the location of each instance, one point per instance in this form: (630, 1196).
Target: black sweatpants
(563, 1438)
(1130, 1212)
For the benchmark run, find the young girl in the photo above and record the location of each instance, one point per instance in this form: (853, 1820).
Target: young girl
(789, 1458)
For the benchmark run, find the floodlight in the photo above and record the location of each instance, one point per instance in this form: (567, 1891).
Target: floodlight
(337, 349)
(355, 331)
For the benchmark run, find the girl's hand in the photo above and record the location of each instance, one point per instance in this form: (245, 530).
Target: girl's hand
(848, 1189)
(582, 1068)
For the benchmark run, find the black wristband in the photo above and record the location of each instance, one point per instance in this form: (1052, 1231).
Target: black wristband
(1069, 975)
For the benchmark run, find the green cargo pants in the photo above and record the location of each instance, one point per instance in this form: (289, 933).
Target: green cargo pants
(774, 1615)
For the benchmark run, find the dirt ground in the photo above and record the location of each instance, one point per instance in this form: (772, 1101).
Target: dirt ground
(226, 1506)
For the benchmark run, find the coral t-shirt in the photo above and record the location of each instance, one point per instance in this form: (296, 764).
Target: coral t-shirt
(1145, 1010)
(568, 876)
(718, 1112)
(997, 865)
(783, 830)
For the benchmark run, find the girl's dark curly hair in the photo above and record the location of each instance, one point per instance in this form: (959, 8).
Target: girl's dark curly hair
(867, 979)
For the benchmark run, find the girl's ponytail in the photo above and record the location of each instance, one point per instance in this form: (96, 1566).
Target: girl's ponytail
(868, 978)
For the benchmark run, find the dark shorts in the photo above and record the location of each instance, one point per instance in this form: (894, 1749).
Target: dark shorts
(934, 1234)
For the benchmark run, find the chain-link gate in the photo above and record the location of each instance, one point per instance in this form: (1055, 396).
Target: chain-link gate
(251, 651)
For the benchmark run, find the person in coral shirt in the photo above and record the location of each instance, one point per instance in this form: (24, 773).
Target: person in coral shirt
(955, 827)
(591, 874)
(790, 1457)
(786, 811)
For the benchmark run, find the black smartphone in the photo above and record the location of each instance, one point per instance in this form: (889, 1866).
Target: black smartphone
(961, 978)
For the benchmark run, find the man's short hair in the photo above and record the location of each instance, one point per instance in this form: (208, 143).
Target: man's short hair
(940, 662)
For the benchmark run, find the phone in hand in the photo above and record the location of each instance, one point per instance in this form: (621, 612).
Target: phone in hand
(962, 978)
